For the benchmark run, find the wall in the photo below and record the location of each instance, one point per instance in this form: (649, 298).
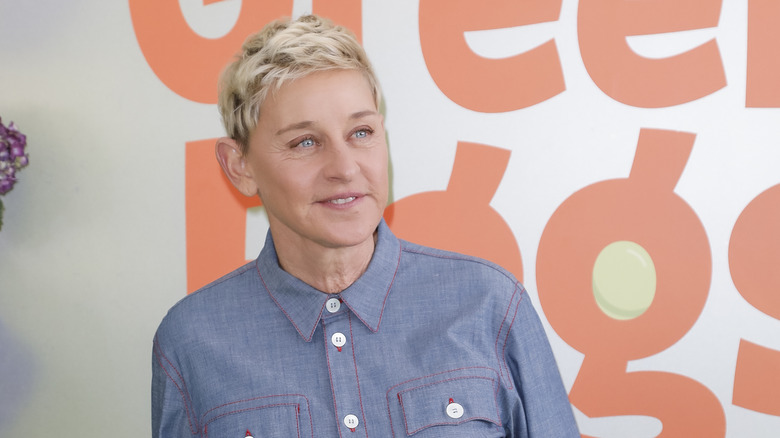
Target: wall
(538, 134)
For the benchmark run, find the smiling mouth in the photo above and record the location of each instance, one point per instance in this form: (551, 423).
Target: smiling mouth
(340, 201)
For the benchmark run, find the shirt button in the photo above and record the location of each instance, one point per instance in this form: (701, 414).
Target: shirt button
(351, 421)
(454, 410)
(333, 305)
(338, 339)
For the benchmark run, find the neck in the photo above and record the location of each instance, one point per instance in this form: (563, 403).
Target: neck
(330, 270)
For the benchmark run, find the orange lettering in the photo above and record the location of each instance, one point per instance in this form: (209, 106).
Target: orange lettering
(763, 54)
(184, 61)
(489, 85)
(596, 234)
(603, 26)
(348, 13)
(754, 255)
(215, 217)
(756, 380)
(448, 219)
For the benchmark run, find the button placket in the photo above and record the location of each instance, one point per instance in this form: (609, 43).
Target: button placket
(343, 373)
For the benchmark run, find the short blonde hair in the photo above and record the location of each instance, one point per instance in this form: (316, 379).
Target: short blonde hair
(282, 51)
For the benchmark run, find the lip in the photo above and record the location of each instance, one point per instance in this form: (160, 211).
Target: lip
(342, 200)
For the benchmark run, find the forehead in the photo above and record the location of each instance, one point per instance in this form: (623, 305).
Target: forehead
(318, 95)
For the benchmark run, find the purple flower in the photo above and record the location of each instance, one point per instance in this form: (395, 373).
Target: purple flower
(6, 184)
(12, 155)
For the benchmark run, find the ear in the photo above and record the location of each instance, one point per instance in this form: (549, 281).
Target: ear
(235, 167)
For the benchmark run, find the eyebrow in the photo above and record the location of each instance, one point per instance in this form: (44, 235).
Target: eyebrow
(361, 114)
(294, 126)
(307, 123)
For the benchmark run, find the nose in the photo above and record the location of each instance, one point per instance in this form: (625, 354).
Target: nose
(341, 162)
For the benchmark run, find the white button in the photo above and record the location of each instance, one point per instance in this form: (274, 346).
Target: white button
(351, 421)
(338, 339)
(333, 305)
(454, 410)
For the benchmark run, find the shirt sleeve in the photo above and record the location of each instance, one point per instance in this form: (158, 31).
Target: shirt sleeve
(171, 406)
(545, 410)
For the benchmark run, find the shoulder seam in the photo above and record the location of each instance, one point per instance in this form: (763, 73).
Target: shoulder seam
(183, 392)
(465, 258)
(229, 276)
(503, 366)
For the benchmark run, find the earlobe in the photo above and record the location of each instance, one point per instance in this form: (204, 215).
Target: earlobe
(234, 165)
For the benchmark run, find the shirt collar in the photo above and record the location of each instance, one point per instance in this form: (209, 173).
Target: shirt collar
(303, 304)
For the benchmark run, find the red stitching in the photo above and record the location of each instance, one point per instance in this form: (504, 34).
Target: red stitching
(330, 377)
(501, 361)
(238, 272)
(442, 372)
(403, 413)
(205, 427)
(494, 383)
(257, 267)
(506, 341)
(465, 259)
(387, 394)
(311, 421)
(498, 409)
(298, 420)
(453, 256)
(390, 286)
(158, 352)
(252, 399)
(446, 380)
(354, 361)
(183, 382)
(450, 424)
(389, 414)
(384, 301)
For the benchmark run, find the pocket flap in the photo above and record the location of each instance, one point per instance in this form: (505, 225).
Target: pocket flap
(426, 405)
(276, 416)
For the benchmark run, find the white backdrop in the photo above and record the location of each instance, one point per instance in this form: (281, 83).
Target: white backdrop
(92, 252)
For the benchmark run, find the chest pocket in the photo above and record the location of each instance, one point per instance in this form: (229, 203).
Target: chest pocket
(276, 416)
(458, 403)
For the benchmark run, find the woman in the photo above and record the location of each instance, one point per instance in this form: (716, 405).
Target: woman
(338, 328)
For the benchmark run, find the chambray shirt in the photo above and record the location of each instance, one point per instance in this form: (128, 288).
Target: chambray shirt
(425, 343)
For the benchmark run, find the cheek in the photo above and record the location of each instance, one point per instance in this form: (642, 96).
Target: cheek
(291, 184)
(380, 180)
(378, 168)
(270, 183)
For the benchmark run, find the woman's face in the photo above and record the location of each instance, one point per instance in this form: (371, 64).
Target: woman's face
(319, 159)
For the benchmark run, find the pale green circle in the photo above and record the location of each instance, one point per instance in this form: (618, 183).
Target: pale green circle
(624, 280)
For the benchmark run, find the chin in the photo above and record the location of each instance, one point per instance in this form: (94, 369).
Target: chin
(350, 234)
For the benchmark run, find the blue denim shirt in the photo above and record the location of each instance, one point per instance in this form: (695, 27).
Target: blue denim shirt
(425, 343)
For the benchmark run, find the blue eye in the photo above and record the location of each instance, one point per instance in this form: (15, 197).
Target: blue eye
(306, 143)
(363, 133)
